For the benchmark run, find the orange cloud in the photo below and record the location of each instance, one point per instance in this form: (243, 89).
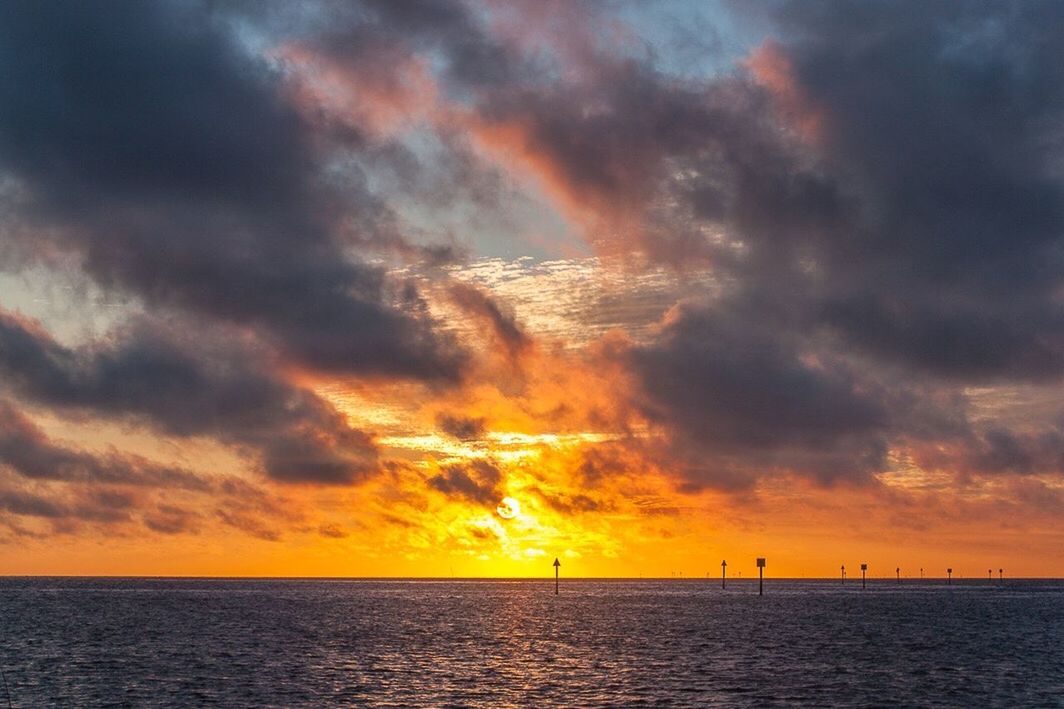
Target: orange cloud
(773, 70)
(383, 90)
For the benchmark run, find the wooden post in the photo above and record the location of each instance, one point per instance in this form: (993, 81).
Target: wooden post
(556, 565)
(843, 574)
(864, 568)
(949, 577)
(761, 576)
(897, 572)
(723, 572)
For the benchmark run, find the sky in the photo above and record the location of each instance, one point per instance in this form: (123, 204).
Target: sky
(457, 288)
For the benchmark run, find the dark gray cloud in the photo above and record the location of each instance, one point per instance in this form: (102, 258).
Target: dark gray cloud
(943, 121)
(450, 30)
(461, 427)
(572, 504)
(918, 217)
(27, 450)
(476, 481)
(996, 450)
(62, 511)
(169, 519)
(65, 486)
(503, 325)
(741, 402)
(187, 385)
(31, 505)
(149, 141)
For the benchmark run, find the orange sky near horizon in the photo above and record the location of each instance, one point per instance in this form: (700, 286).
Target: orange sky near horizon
(636, 521)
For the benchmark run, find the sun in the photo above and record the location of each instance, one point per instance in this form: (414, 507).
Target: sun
(508, 508)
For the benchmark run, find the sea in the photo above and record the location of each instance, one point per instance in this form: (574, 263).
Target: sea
(183, 642)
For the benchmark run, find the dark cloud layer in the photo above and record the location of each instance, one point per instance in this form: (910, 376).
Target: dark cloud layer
(146, 139)
(188, 386)
(463, 428)
(943, 118)
(29, 504)
(477, 481)
(485, 309)
(742, 403)
(26, 449)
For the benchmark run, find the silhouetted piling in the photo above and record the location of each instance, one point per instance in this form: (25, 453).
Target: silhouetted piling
(864, 568)
(897, 572)
(761, 576)
(1001, 576)
(989, 576)
(949, 577)
(556, 565)
(723, 573)
(843, 569)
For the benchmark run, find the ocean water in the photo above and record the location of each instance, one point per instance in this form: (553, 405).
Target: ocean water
(291, 643)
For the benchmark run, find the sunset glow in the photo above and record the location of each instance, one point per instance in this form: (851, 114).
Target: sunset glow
(368, 290)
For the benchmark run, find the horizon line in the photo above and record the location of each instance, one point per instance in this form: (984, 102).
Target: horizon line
(709, 579)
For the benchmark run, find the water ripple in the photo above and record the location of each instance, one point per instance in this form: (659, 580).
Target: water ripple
(266, 643)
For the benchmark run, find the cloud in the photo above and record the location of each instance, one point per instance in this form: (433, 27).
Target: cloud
(187, 385)
(573, 504)
(503, 325)
(878, 193)
(477, 481)
(26, 449)
(942, 122)
(168, 519)
(461, 427)
(32, 505)
(64, 511)
(65, 486)
(248, 523)
(920, 223)
(997, 451)
(177, 171)
(742, 403)
(333, 531)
